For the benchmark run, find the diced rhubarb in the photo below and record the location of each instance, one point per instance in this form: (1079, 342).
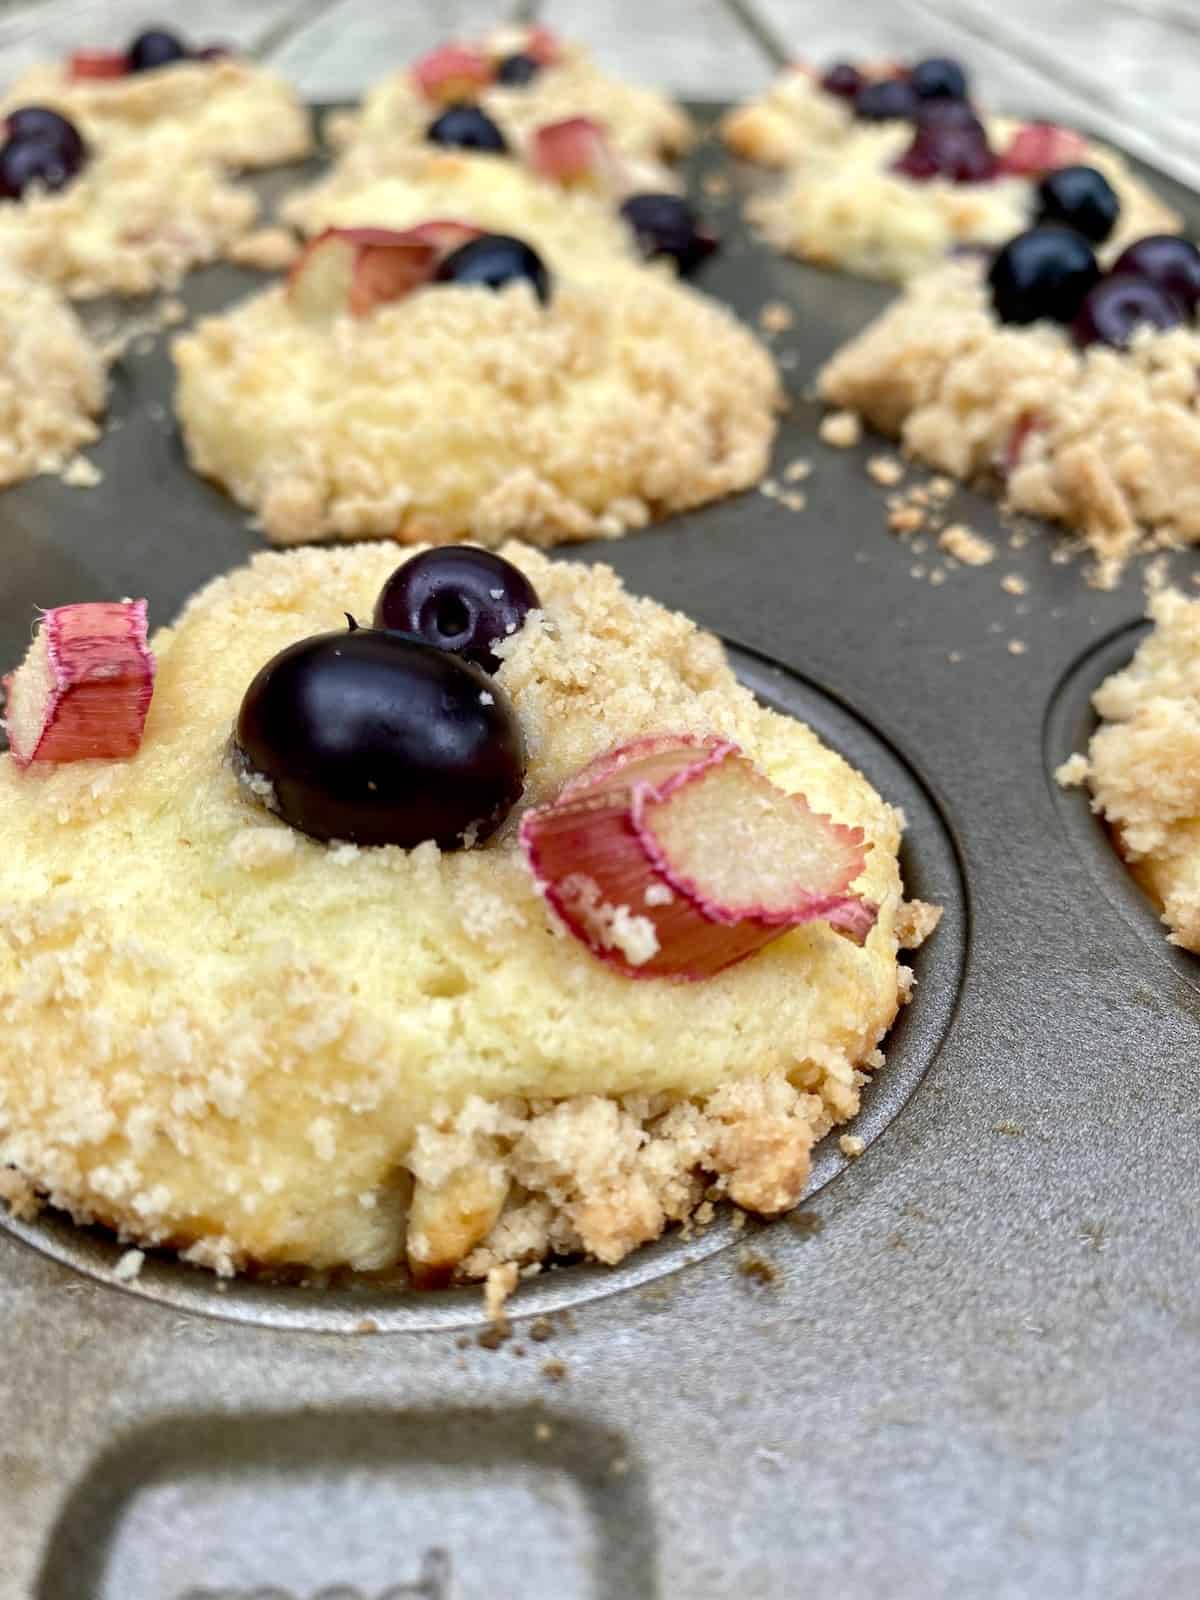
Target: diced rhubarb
(356, 269)
(673, 857)
(1039, 147)
(452, 72)
(573, 151)
(84, 689)
(443, 233)
(542, 44)
(1025, 425)
(98, 64)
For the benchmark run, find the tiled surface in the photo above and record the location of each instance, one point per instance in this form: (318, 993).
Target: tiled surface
(1128, 68)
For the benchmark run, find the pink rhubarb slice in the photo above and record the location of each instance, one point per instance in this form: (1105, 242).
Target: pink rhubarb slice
(674, 857)
(98, 64)
(357, 269)
(84, 689)
(452, 72)
(1039, 147)
(575, 150)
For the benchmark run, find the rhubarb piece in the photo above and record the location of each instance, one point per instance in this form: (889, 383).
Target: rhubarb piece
(445, 234)
(1009, 458)
(575, 150)
(452, 72)
(99, 64)
(357, 269)
(83, 691)
(542, 44)
(1039, 147)
(673, 857)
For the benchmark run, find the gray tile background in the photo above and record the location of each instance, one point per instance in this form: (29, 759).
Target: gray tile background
(1130, 69)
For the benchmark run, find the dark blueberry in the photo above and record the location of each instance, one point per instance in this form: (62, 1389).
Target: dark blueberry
(467, 128)
(156, 48)
(458, 599)
(948, 144)
(666, 225)
(938, 78)
(518, 70)
(1079, 198)
(1117, 305)
(891, 100)
(41, 125)
(378, 738)
(1042, 273)
(24, 162)
(493, 260)
(843, 79)
(1167, 260)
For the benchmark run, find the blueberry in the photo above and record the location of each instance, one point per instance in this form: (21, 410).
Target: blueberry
(891, 100)
(493, 260)
(939, 78)
(378, 738)
(24, 162)
(1079, 198)
(949, 142)
(1117, 305)
(842, 79)
(1167, 260)
(466, 127)
(518, 70)
(458, 599)
(1044, 272)
(41, 125)
(666, 225)
(156, 48)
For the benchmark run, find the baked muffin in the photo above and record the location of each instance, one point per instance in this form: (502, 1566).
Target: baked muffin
(895, 198)
(1071, 391)
(1142, 765)
(123, 215)
(803, 111)
(566, 398)
(522, 78)
(229, 1037)
(224, 109)
(52, 380)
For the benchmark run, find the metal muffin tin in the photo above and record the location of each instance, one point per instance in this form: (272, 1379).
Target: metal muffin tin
(969, 1365)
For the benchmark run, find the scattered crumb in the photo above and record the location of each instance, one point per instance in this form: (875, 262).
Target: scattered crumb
(775, 317)
(937, 577)
(842, 429)
(366, 1325)
(1018, 540)
(752, 1265)
(499, 1284)
(738, 1219)
(1073, 771)
(463, 1342)
(129, 1266)
(954, 655)
(1013, 1130)
(715, 185)
(556, 1371)
(542, 1431)
(796, 471)
(1012, 584)
(618, 1466)
(269, 249)
(794, 500)
(886, 470)
(941, 488)
(80, 473)
(1017, 647)
(917, 572)
(492, 1338)
(852, 1145)
(906, 519)
(971, 548)
(769, 488)
(541, 1330)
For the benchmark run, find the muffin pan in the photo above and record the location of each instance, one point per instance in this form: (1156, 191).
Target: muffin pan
(967, 1366)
